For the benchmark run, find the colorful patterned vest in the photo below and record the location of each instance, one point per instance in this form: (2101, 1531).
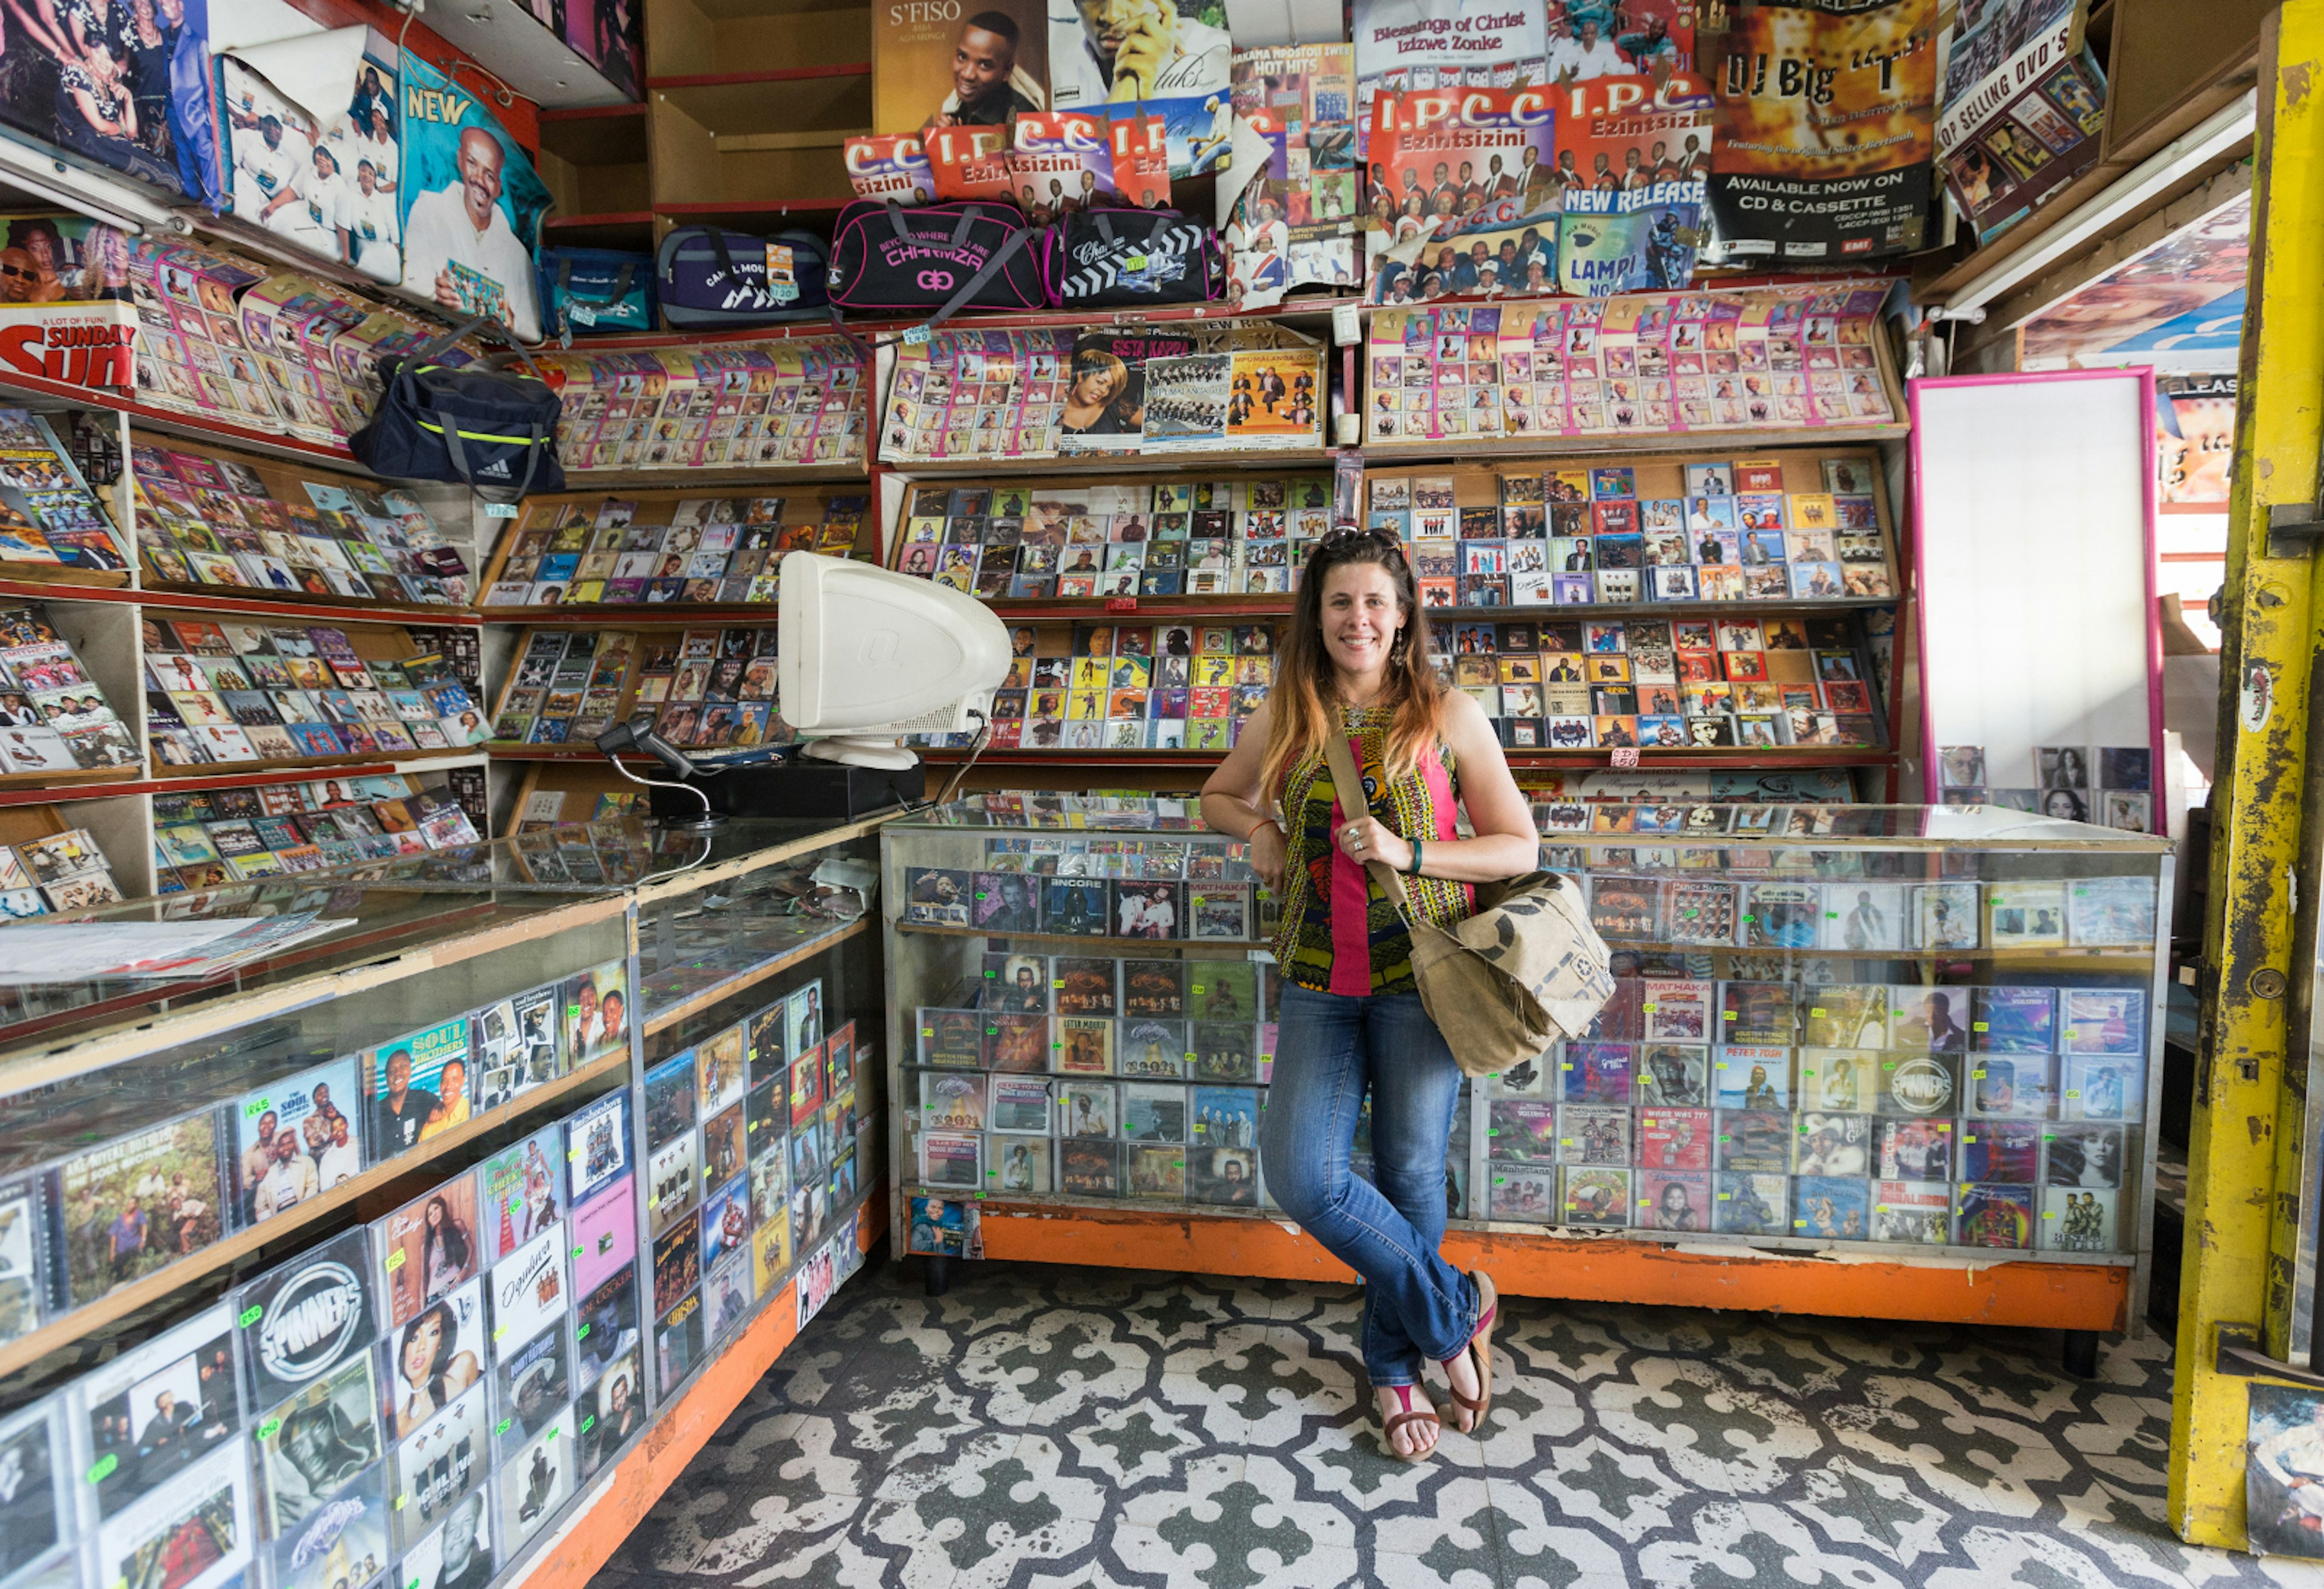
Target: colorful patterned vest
(1339, 932)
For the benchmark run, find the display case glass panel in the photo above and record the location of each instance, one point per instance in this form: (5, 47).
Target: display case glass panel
(1868, 1026)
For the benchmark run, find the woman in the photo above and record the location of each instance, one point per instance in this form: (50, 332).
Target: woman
(444, 1250)
(1097, 399)
(431, 1368)
(2065, 805)
(1355, 662)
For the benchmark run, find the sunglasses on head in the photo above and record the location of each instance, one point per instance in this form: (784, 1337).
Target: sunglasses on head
(1348, 535)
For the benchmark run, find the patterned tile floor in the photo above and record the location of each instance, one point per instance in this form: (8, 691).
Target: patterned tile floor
(1046, 1428)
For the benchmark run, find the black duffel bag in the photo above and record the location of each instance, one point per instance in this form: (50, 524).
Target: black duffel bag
(935, 260)
(1129, 258)
(493, 431)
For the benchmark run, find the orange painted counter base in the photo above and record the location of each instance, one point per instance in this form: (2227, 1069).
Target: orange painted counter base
(617, 1506)
(2053, 1296)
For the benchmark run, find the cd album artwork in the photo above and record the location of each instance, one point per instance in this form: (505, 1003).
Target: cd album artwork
(303, 1317)
(429, 1247)
(319, 1442)
(436, 1356)
(161, 1409)
(137, 1203)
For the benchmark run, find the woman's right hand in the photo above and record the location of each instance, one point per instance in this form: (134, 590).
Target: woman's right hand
(1268, 846)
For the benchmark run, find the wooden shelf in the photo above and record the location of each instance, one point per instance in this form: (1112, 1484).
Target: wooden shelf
(227, 1250)
(1193, 609)
(708, 477)
(1199, 608)
(1492, 450)
(501, 751)
(595, 135)
(275, 772)
(1237, 460)
(15, 575)
(629, 615)
(629, 229)
(768, 211)
(82, 783)
(259, 604)
(789, 74)
(212, 775)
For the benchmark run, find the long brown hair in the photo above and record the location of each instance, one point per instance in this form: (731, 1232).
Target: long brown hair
(1306, 697)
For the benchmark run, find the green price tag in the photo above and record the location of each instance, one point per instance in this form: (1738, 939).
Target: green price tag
(252, 1314)
(103, 1468)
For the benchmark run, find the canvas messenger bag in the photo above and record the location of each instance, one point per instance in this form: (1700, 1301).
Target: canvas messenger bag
(1525, 969)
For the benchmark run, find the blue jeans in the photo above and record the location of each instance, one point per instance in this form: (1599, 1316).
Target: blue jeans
(1329, 1049)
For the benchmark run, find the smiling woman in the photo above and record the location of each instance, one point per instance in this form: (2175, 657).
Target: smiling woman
(1354, 664)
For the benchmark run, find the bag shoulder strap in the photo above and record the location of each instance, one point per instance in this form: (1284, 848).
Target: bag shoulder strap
(1348, 784)
(969, 289)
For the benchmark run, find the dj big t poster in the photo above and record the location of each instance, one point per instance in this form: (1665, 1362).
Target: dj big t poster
(1826, 127)
(472, 205)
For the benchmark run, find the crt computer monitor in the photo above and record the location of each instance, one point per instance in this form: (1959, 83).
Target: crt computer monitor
(864, 655)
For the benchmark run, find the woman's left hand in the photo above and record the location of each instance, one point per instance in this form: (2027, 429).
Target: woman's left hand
(1366, 839)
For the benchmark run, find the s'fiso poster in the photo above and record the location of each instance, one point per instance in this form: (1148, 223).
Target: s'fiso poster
(124, 86)
(472, 205)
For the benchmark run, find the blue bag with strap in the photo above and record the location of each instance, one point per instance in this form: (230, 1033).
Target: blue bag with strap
(586, 289)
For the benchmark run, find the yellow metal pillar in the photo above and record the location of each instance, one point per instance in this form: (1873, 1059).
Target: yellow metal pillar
(2244, 1149)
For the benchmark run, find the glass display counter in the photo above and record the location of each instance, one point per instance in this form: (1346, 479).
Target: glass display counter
(1920, 1033)
(462, 1164)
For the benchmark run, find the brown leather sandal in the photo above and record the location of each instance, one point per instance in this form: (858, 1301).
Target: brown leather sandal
(1480, 1352)
(1424, 1413)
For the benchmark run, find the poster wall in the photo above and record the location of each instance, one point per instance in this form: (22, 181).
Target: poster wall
(124, 86)
(471, 205)
(1826, 111)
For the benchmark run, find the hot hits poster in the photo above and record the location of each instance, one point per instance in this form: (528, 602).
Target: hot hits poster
(1826, 127)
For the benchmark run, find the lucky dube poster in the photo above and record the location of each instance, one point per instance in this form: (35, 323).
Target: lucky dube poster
(472, 205)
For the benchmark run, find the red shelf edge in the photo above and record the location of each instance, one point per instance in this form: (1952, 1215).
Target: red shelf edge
(626, 217)
(752, 206)
(790, 74)
(241, 606)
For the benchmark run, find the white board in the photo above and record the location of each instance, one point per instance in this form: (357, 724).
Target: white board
(2033, 533)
